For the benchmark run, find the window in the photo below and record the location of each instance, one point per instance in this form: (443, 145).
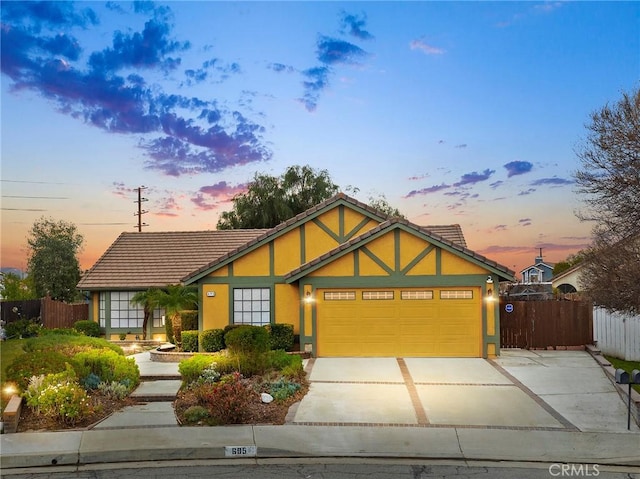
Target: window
(252, 306)
(425, 294)
(456, 294)
(368, 295)
(339, 295)
(123, 313)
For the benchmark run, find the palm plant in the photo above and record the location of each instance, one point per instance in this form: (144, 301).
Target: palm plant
(149, 301)
(175, 298)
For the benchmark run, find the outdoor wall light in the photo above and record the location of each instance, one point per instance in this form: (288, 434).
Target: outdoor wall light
(307, 297)
(489, 280)
(10, 389)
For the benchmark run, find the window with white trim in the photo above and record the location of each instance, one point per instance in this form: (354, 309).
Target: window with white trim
(339, 295)
(125, 315)
(456, 294)
(252, 306)
(370, 295)
(420, 294)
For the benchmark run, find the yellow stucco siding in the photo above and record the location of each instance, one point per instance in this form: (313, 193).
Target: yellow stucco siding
(317, 242)
(287, 252)
(384, 249)
(426, 266)
(452, 264)
(331, 219)
(410, 247)
(368, 267)
(352, 219)
(220, 273)
(340, 267)
(255, 263)
(215, 310)
(287, 306)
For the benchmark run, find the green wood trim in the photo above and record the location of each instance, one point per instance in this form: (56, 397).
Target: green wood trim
(230, 270)
(341, 223)
(433, 281)
(303, 247)
(396, 250)
(326, 229)
(377, 260)
(425, 252)
(244, 280)
(357, 228)
(272, 258)
(356, 263)
(438, 261)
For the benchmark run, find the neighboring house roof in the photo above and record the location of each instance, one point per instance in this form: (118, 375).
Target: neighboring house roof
(538, 266)
(567, 272)
(381, 229)
(142, 260)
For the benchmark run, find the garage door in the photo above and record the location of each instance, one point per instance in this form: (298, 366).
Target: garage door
(399, 322)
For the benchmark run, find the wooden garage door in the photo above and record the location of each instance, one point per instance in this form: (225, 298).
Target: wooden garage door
(399, 322)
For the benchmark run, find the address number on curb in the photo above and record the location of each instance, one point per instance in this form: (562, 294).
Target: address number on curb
(240, 451)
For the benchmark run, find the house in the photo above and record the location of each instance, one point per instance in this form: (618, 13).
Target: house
(351, 280)
(568, 281)
(539, 272)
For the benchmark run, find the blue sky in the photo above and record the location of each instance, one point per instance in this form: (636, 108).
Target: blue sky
(457, 112)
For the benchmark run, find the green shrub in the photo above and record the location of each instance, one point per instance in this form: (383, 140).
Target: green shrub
(212, 340)
(195, 414)
(247, 340)
(190, 341)
(59, 332)
(88, 328)
(283, 389)
(36, 363)
(58, 396)
(189, 320)
(279, 359)
(108, 366)
(114, 389)
(191, 369)
(293, 371)
(23, 328)
(250, 364)
(228, 401)
(209, 375)
(280, 336)
(168, 329)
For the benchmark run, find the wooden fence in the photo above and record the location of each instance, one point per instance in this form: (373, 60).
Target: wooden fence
(544, 324)
(52, 314)
(617, 334)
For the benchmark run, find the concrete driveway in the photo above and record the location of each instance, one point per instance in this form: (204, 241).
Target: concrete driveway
(521, 389)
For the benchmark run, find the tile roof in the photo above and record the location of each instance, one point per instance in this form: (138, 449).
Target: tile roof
(141, 260)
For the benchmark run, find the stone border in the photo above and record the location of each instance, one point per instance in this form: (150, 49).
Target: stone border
(623, 389)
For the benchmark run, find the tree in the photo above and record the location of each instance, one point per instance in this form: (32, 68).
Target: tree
(149, 301)
(610, 182)
(569, 262)
(175, 298)
(53, 262)
(381, 204)
(14, 288)
(271, 200)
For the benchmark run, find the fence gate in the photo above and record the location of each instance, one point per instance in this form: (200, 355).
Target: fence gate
(543, 324)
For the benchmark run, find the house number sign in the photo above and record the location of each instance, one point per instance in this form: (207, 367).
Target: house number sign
(240, 451)
(508, 308)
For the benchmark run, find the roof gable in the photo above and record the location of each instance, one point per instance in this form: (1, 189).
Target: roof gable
(383, 229)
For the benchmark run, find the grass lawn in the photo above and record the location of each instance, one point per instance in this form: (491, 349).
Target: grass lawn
(626, 365)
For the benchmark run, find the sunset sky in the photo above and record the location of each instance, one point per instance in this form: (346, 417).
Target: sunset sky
(456, 112)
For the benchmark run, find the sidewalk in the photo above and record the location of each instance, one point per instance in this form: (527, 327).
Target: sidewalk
(155, 444)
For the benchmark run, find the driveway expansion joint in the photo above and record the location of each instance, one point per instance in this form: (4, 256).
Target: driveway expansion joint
(421, 414)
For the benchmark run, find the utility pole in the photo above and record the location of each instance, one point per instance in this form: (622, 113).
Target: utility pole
(140, 211)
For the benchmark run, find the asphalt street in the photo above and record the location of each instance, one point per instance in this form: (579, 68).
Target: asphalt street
(327, 469)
